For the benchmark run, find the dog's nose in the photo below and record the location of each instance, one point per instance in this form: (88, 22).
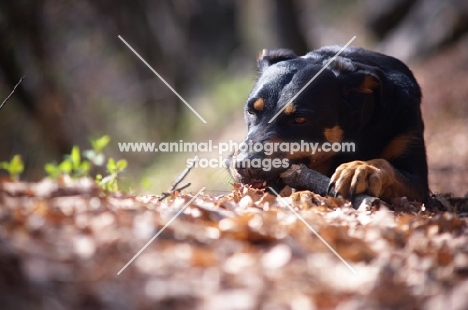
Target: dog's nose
(244, 164)
(244, 159)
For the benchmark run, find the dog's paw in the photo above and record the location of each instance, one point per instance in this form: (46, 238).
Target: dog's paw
(372, 177)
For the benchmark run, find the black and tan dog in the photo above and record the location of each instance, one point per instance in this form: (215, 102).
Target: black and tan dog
(362, 97)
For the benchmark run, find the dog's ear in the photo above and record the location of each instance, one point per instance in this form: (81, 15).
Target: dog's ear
(364, 83)
(267, 58)
(361, 90)
(356, 78)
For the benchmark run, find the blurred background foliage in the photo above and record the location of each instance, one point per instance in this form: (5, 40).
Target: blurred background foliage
(82, 82)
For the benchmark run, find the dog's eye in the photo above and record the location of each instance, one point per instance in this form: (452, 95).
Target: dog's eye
(300, 120)
(251, 111)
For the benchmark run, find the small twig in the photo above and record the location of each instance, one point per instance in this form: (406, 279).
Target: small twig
(11, 94)
(178, 180)
(183, 174)
(182, 187)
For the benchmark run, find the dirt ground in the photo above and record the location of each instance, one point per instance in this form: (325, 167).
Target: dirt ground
(444, 82)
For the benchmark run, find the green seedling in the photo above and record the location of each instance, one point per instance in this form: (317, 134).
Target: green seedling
(14, 167)
(53, 170)
(95, 155)
(72, 165)
(114, 168)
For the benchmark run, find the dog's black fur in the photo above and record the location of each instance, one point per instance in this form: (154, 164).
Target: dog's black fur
(363, 97)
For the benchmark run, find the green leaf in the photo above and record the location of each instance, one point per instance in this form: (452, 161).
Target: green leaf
(111, 165)
(83, 169)
(52, 170)
(16, 165)
(121, 165)
(86, 165)
(66, 166)
(100, 143)
(75, 157)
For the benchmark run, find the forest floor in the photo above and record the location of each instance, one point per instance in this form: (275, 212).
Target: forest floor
(66, 245)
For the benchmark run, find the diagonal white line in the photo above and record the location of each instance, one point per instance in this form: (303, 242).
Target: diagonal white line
(313, 230)
(162, 229)
(163, 80)
(311, 80)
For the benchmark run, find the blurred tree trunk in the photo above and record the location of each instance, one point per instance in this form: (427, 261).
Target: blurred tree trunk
(384, 15)
(272, 24)
(178, 42)
(410, 28)
(132, 21)
(289, 32)
(22, 35)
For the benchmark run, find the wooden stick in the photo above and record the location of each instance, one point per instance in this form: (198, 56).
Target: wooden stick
(302, 178)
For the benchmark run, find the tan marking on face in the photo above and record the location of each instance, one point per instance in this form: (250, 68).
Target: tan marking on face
(398, 146)
(259, 104)
(290, 109)
(369, 84)
(334, 134)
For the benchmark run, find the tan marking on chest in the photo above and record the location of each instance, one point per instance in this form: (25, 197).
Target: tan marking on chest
(334, 134)
(398, 146)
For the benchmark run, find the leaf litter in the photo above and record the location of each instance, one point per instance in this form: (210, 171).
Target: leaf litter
(62, 244)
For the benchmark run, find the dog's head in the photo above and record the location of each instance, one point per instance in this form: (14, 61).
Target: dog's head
(285, 107)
